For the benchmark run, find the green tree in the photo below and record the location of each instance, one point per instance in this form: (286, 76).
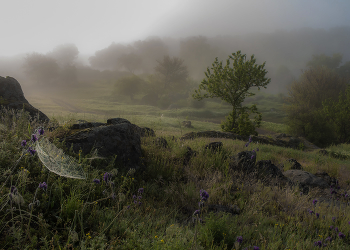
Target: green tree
(327, 61)
(173, 73)
(232, 85)
(304, 110)
(130, 62)
(41, 69)
(339, 113)
(129, 86)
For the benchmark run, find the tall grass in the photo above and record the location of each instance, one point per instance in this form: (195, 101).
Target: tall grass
(111, 209)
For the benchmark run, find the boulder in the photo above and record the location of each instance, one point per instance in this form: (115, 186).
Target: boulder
(116, 137)
(214, 146)
(12, 97)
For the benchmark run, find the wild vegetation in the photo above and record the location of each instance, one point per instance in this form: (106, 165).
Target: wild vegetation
(115, 210)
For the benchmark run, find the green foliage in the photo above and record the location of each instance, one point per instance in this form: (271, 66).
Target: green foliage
(173, 73)
(232, 85)
(244, 126)
(327, 61)
(305, 99)
(195, 103)
(339, 113)
(164, 102)
(129, 86)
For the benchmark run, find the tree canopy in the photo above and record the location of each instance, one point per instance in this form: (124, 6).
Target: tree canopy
(231, 84)
(172, 72)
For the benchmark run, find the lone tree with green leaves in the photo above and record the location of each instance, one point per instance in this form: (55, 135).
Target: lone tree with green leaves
(232, 85)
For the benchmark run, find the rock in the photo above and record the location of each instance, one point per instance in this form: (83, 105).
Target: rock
(117, 121)
(187, 124)
(12, 97)
(306, 180)
(214, 146)
(116, 137)
(281, 140)
(160, 141)
(296, 165)
(188, 155)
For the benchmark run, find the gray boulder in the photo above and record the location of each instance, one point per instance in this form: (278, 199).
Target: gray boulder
(118, 137)
(12, 97)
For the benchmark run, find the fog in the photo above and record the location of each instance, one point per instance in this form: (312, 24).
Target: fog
(79, 44)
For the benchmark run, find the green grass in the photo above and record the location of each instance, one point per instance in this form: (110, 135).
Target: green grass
(80, 214)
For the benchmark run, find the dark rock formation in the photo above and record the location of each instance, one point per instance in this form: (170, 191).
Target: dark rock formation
(12, 97)
(116, 137)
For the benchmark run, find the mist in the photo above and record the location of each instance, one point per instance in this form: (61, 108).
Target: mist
(68, 45)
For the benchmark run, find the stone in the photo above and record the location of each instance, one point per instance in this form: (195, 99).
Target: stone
(214, 146)
(116, 137)
(306, 180)
(281, 140)
(12, 97)
(160, 141)
(187, 124)
(188, 155)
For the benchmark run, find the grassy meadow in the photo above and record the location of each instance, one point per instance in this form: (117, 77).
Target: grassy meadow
(115, 210)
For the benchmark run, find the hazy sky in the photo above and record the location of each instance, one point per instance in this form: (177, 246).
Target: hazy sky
(40, 25)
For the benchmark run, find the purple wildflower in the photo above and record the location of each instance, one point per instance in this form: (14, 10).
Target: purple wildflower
(204, 195)
(328, 238)
(31, 151)
(97, 181)
(333, 219)
(318, 243)
(140, 190)
(34, 138)
(23, 143)
(239, 239)
(314, 202)
(43, 185)
(196, 212)
(106, 177)
(13, 190)
(256, 248)
(41, 131)
(341, 235)
(318, 215)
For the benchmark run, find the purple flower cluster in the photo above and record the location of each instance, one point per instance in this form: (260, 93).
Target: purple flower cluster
(136, 198)
(250, 140)
(34, 138)
(43, 186)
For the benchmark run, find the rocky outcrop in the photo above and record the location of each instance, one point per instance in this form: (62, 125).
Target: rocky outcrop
(12, 97)
(281, 140)
(118, 137)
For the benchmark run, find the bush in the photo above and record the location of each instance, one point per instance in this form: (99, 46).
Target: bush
(195, 103)
(164, 102)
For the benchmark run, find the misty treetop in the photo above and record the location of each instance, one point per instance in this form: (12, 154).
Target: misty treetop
(231, 84)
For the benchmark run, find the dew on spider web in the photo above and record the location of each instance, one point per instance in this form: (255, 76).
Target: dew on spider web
(56, 161)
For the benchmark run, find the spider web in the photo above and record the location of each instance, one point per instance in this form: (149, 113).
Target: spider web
(56, 161)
